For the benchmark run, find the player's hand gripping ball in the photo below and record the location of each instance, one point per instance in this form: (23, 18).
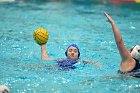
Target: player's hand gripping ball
(41, 36)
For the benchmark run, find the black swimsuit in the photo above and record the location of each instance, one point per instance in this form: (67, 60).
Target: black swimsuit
(135, 72)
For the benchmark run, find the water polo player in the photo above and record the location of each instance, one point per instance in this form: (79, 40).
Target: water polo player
(129, 59)
(73, 56)
(72, 53)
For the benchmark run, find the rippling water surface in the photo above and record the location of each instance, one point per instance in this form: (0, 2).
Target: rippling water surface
(67, 22)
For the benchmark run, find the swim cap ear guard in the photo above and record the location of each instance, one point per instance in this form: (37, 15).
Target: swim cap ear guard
(135, 52)
(74, 45)
(4, 89)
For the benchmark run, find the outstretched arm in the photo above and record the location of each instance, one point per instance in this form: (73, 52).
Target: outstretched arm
(97, 64)
(125, 54)
(44, 53)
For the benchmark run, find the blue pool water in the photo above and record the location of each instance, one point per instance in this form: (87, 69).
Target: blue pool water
(21, 67)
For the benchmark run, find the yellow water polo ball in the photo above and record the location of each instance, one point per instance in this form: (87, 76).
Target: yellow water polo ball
(41, 36)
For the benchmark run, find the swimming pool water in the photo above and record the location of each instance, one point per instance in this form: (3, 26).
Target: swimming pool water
(67, 22)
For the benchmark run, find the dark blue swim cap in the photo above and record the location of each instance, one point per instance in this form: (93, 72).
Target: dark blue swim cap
(74, 45)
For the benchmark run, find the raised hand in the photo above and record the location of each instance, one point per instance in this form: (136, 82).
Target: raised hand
(109, 19)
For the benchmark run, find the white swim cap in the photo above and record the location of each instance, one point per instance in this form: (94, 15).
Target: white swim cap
(4, 89)
(135, 53)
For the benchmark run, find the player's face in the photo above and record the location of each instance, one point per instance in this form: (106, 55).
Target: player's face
(72, 53)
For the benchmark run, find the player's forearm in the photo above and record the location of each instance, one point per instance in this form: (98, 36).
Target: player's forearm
(44, 52)
(117, 35)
